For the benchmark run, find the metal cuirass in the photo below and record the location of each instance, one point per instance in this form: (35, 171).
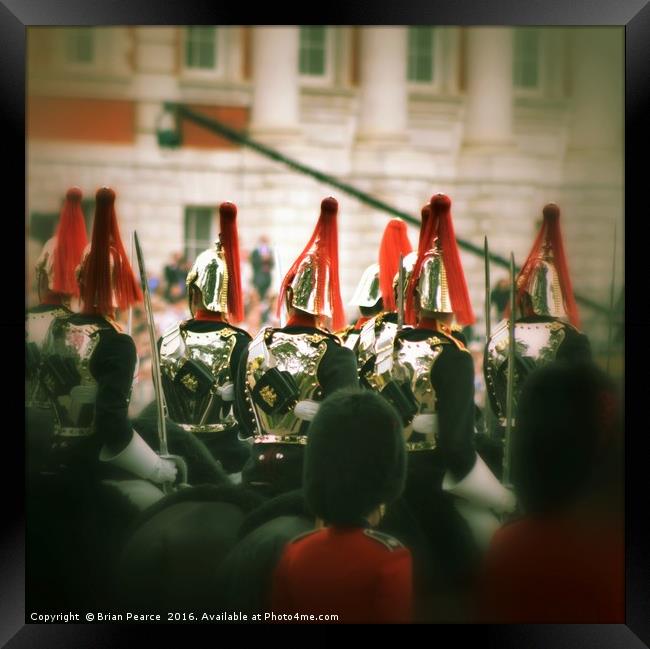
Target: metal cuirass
(194, 365)
(536, 344)
(376, 334)
(298, 355)
(36, 327)
(414, 361)
(65, 374)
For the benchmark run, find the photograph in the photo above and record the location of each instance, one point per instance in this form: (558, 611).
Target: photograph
(325, 324)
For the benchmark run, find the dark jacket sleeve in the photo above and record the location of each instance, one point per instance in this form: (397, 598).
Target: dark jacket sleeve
(242, 405)
(237, 353)
(337, 369)
(452, 377)
(112, 366)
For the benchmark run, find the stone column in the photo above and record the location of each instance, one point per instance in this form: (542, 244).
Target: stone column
(488, 112)
(383, 95)
(275, 106)
(155, 80)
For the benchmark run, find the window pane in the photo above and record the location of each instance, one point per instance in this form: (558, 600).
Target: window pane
(201, 47)
(420, 54)
(198, 231)
(80, 45)
(526, 58)
(312, 51)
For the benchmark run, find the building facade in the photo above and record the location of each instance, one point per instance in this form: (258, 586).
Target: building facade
(503, 120)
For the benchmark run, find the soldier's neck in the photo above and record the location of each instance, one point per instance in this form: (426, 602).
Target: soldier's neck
(204, 314)
(297, 319)
(362, 320)
(428, 323)
(52, 299)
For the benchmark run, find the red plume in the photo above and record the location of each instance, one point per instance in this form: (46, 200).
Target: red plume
(324, 240)
(394, 242)
(230, 242)
(458, 292)
(428, 229)
(107, 247)
(438, 224)
(71, 239)
(550, 235)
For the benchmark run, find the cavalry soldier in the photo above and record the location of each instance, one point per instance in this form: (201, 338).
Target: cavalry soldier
(430, 369)
(88, 366)
(375, 293)
(57, 284)
(99, 472)
(379, 332)
(544, 302)
(345, 566)
(200, 357)
(285, 372)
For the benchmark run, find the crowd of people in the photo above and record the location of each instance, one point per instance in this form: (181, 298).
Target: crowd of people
(317, 469)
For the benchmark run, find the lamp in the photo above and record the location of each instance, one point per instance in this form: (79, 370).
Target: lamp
(167, 127)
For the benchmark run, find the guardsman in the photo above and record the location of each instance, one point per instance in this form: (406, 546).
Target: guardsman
(375, 295)
(286, 372)
(379, 332)
(88, 367)
(57, 285)
(433, 368)
(354, 466)
(200, 357)
(546, 318)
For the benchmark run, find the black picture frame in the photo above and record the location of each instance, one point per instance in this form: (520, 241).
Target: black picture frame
(634, 15)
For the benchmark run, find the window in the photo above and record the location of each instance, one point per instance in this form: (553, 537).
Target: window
(198, 231)
(526, 58)
(421, 44)
(313, 51)
(80, 45)
(201, 48)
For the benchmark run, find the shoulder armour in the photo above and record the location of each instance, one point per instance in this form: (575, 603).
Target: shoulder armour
(295, 539)
(172, 331)
(341, 334)
(325, 335)
(115, 324)
(388, 541)
(448, 333)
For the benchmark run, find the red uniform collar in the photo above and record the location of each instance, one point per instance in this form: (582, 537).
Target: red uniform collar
(433, 324)
(53, 299)
(204, 314)
(302, 320)
(362, 320)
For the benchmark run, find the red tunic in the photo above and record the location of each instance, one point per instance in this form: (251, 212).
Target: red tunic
(359, 574)
(554, 570)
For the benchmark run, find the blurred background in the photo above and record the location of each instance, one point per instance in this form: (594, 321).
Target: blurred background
(503, 120)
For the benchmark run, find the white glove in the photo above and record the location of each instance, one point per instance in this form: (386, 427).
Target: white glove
(306, 409)
(227, 392)
(427, 424)
(140, 459)
(481, 487)
(163, 471)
